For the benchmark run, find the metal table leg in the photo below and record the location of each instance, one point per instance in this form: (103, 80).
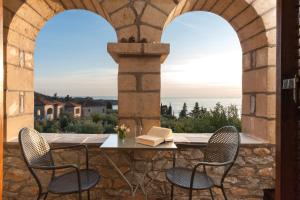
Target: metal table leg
(119, 171)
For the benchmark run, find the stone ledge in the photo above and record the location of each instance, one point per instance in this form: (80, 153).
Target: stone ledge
(97, 139)
(118, 50)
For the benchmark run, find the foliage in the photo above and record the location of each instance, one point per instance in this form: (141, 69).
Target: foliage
(166, 111)
(84, 126)
(183, 112)
(201, 120)
(67, 123)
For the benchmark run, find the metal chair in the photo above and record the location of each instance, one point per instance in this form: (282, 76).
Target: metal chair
(221, 151)
(38, 156)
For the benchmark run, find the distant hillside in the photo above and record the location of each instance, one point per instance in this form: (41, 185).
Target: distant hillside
(79, 100)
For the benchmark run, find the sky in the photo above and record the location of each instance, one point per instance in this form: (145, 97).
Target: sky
(205, 59)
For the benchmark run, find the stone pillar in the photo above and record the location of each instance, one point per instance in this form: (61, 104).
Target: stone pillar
(139, 82)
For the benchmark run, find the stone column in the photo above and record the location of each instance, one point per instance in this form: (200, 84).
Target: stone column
(139, 82)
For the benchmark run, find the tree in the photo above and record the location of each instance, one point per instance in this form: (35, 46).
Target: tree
(170, 111)
(68, 98)
(183, 112)
(195, 113)
(96, 118)
(163, 110)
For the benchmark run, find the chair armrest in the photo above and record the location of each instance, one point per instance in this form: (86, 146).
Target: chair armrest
(54, 167)
(216, 164)
(213, 164)
(57, 167)
(74, 147)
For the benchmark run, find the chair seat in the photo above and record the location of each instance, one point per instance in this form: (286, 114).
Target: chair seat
(68, 183)
(182, 177)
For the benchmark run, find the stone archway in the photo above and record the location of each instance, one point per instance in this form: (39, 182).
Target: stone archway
(22, 22)
(137, 22)
(255, 24)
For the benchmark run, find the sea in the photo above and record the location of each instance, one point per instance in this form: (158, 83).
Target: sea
(177, 102)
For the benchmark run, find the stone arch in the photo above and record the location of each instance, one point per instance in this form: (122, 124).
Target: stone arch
(22, 22)
(255, 24)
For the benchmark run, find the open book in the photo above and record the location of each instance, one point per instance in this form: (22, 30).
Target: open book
(155, 136)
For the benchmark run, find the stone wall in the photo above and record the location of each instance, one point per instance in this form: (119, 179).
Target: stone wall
(252, 172)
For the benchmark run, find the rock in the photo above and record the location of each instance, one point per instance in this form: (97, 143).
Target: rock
(266, 172)
(262, 152)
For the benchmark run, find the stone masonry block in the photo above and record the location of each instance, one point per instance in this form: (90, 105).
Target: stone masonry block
(89, 5)
(19, 78)
(255, 80)
(265, 57)
(42, 8)
(123, 17)
(247, 61)
(271, 79)
(262, 105)
(78, 4)
(167, 5)
(142, 64)
(221, 6)
(68, 4)
(269, 19)
(208, 5)
(257, 127)
(151, 82)
(271, 35)
(99, 9)
(262, 6)
(251, 29)
(127, 32)
(126, 82)
(139, 104)
(189, 6)
(244, 18)
(199, 4)
(23, 27)
(150, 33)
(29, 62)
(12, 55)
(12, 103)
(111, 7)
(13, 5)
(234, 9)
(255, 42)
(15, 124)
(31, 16)
(246, 104)
(55, 5)
(154, 17)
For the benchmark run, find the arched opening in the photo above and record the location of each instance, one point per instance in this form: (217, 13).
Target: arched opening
(49, 111)
(256, 30)
(23, 26)
(74, 72)
(204, 72)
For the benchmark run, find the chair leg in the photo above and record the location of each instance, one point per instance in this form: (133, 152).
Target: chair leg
(89, 195)
(191, 194)
(45, 196)
(223, 191)
(172, 191)
(211, 194)
(79, 195)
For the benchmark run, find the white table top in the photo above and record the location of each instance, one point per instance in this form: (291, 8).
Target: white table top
(113, 142)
